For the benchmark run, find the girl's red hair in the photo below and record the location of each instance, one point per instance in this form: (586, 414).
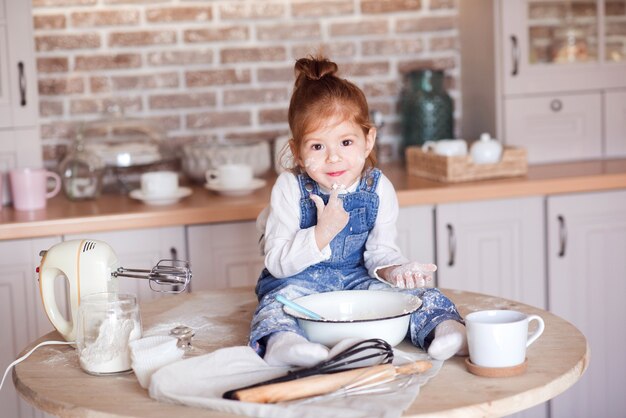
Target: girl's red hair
(320, 95)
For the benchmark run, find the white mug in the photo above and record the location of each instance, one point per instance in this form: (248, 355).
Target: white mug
(230, 176)
(159, 183)
(447, 147)
(499, 338)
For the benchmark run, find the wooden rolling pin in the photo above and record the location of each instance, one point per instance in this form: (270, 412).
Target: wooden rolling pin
(326, 383)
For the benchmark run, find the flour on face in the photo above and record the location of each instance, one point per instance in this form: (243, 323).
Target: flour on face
(311, 164)
(334, 158)
(336, 152)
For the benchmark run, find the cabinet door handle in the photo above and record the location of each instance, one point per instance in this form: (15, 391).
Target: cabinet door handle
(556, 105)
(562, 235)
(22, 82)
(451, 245)
(515, 55)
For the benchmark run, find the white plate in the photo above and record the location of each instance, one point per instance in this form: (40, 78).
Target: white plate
(254, 184)
(161, 200)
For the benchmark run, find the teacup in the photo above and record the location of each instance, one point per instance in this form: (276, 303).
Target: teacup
(29, 187)
(499, 338)
(447, 147)
(159, 183)
(230, 176)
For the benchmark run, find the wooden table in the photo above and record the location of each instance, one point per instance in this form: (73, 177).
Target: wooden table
(51, 379)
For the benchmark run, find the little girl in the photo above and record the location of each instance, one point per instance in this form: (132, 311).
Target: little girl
(331, 225)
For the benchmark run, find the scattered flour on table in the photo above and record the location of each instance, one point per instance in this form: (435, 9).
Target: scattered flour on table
(58, 357)
(485, 302)
(213, 323)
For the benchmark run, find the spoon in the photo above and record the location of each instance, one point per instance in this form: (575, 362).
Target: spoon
(299, 308)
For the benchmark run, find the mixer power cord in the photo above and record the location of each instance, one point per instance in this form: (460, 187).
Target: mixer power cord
(25, 356)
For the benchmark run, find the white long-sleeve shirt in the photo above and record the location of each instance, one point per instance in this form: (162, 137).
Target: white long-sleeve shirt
(289, 250)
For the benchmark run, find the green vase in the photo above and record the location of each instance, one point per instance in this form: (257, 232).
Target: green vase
(427, 109)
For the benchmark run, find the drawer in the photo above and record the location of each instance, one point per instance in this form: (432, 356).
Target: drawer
(556, 127)
(615, 123)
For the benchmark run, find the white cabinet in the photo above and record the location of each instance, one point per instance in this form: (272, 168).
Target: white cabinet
(545, 75)
(18, 82)
(494, 247)
(416, 233)
(224, 255)
(615, 123)
(560, 45)
(141, 249)
(587, 286)
(20, 143)
(555, 127)
(22, 319)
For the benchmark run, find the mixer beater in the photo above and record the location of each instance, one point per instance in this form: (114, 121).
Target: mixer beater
(167, 276)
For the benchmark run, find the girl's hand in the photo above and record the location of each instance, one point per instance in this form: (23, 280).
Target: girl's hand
(331, 218)
(409, 275)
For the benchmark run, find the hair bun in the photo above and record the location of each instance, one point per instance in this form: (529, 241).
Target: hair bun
(314, 69)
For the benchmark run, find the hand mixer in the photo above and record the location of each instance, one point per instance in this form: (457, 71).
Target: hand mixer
(91, 266)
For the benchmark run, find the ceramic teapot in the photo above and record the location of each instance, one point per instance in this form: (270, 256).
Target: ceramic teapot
(486, 150)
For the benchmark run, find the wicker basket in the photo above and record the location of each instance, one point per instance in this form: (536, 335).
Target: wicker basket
(457, 169)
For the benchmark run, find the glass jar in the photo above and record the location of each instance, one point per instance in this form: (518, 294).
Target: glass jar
(107, 323)
(427, 111)
(81, 172)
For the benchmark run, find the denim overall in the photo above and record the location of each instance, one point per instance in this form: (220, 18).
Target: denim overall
(345, 270)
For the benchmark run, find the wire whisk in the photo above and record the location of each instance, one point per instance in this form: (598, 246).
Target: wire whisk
(373, 351)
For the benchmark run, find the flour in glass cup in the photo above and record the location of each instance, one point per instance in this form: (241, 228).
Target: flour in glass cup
(109, 353)
(107, 322)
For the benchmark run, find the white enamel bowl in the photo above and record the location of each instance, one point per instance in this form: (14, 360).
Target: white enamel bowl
(361, 314)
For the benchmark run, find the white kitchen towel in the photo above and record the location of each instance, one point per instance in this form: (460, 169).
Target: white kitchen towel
(201, 381)
(149, 354)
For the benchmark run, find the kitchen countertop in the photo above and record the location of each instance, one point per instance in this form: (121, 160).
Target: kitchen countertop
(119, 212)
(52, 380)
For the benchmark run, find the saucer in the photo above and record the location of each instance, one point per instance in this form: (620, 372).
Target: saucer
(240, 191)
(161, 200)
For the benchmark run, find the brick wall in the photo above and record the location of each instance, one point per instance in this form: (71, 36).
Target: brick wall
(223, 69)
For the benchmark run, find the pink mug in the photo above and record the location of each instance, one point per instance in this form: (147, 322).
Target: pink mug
(29, 187)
